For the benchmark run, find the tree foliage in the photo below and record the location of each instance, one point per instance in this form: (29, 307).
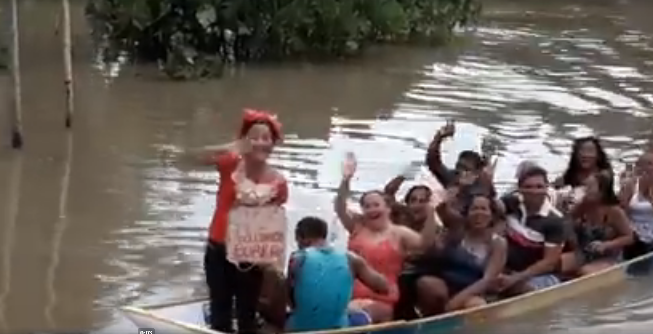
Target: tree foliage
(193, 38)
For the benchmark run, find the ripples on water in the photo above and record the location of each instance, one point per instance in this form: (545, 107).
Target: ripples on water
(535, 76)
(532, 85)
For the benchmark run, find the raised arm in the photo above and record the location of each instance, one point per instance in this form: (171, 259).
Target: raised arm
(434, 156)
(409, 172)
(393, 186)
(340, 203)
(429, 232)
(367, 275)
(451, 218)
(489, 149)
(207, 155)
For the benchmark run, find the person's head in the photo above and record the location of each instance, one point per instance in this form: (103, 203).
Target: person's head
(262, 131)
(599, 189)
(587, 154)
(417, 200)
(376, 208)
(523, 167)
(400, 214)
(480, 212)
(533, 186)
(311, 231)
(469, 161)
(468, 167)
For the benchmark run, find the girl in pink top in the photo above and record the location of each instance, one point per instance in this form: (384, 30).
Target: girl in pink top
(381, 243)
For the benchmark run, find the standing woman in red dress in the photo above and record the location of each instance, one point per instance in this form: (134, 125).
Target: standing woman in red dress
(246, 179)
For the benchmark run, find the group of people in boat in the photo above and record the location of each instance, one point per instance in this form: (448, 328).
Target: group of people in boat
(435, 250)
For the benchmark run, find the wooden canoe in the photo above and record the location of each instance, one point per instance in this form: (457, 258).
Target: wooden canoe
(187, 317)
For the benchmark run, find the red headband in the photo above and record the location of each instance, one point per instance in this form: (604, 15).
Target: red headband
(251, 116)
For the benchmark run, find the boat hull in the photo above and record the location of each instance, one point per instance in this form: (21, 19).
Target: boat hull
(187, 317)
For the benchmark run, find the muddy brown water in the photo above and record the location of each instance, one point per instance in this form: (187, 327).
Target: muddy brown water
(101, 217)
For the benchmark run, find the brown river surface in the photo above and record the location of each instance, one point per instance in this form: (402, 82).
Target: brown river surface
(101, 217)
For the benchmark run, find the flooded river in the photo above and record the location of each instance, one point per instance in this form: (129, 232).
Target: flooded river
(101, 217)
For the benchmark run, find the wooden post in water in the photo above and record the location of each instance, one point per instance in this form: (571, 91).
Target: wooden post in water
(17, 114)
(67, 62)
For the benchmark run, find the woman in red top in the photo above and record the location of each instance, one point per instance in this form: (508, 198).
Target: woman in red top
(258, 135)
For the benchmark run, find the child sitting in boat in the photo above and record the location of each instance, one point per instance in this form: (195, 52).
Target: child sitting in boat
(321, 280)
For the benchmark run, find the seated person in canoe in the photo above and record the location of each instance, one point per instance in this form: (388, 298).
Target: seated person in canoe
(460, 270)
(535, 233)
(383, 244)
(321, 280)
(471, 171)
(570, 261)
(473, 174)
(412, 210)
(587, 158)
(601, 225)
(636, 196)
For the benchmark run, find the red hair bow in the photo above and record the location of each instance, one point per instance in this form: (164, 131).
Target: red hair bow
(251, 117)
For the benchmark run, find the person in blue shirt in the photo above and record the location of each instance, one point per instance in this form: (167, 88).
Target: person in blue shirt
(321, 279)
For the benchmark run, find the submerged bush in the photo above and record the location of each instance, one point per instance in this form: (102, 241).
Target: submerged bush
(191, 38)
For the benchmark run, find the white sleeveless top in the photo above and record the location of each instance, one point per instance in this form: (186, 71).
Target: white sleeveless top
(249, 192)
(640, 212)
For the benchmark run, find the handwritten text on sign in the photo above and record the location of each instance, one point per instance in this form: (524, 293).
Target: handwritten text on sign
(257, 235)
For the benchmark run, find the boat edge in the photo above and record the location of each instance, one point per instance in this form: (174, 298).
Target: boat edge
(147, 310)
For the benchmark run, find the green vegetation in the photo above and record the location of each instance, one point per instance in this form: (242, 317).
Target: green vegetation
(194, 38)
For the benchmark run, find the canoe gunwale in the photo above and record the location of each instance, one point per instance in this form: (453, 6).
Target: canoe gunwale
(499, 303)
(146, 310)
(200, 329)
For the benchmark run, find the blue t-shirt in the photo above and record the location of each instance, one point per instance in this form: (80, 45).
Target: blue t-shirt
(322, 284)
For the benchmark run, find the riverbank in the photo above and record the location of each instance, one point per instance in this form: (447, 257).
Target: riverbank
(196, 39)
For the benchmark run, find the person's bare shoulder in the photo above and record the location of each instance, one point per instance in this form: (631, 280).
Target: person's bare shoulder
(403, 231)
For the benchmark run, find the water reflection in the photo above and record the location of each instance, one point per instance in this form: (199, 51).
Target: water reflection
(132, 226)
(13, 196)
